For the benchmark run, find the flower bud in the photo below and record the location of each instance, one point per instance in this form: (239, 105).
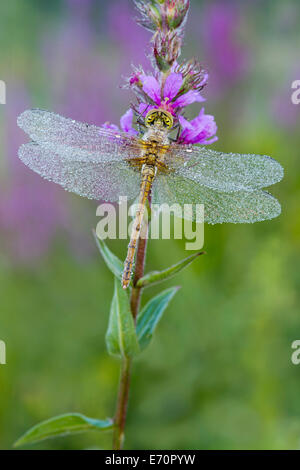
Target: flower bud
(165, 15)
(194, 75)
(174, 13)
(150, 14)
(166, 49)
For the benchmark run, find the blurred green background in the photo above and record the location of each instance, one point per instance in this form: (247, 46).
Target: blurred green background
(218, 374)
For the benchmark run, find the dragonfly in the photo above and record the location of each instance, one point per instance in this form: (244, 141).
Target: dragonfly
(104, 164)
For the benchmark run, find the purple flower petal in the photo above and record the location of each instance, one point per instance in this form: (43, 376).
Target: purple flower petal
(210, 141)
(126, 123)
(172, 86)
(108, 125)
(190, 129)
(184, 122)
(200, 130)
(188, 98)
(151, 87)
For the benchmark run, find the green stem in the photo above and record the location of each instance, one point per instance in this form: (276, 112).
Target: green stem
(122, 403)
(124, 386)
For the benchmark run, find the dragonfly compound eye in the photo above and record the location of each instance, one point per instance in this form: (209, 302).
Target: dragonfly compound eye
(151, 118)
(161, 118)
(167, 119)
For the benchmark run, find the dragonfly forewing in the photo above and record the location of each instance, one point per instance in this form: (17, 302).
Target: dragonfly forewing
(75, 140)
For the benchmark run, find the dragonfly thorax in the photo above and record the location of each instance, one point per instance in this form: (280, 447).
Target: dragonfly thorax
(156, 136)
(151, 158)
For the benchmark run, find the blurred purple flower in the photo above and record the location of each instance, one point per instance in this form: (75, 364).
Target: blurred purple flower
(227, 56)
(200, 130)
(79, 7)
(74, 67)
(31, 210)
(130, 38)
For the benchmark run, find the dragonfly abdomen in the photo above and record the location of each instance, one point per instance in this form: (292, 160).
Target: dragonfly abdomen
(148, 175)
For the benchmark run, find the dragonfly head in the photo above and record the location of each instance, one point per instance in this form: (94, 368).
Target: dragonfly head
(159, 118)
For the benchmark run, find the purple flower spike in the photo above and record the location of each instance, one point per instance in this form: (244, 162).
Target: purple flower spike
(173, 85)
(200, 130)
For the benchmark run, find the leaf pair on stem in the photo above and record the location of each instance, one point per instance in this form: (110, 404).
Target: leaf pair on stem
(126, 337)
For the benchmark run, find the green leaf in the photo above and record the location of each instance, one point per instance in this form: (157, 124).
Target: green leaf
(121, 339)
(150, 315)
(112, 261)
(61, 425)
(158, 276)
